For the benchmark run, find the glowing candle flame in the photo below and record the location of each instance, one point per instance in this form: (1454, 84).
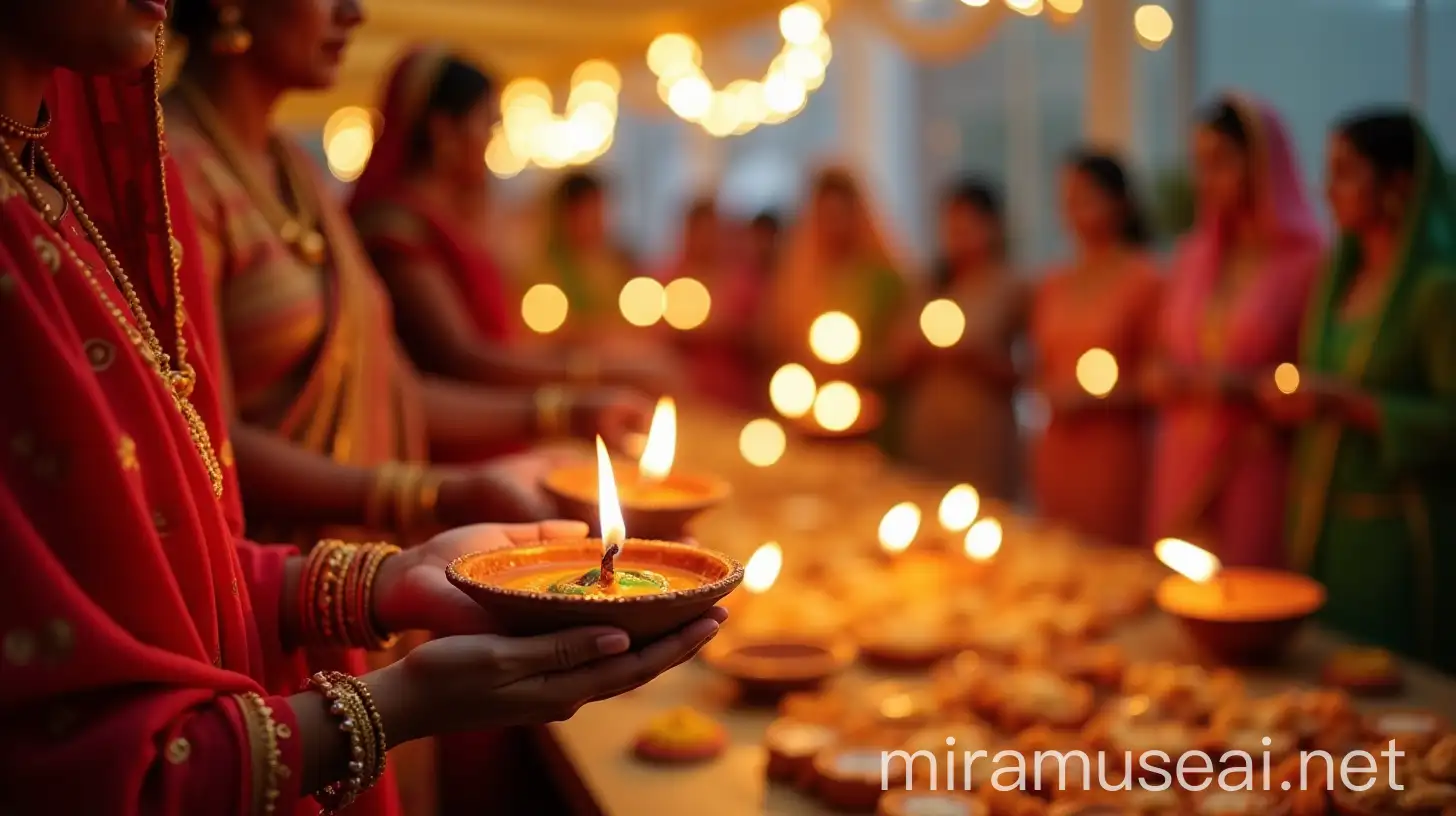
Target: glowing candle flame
(959, 508)
(657, 454)
(792, 390)
(983, 540)
(899, 527)
(1097, 372)
(1286, 378)
(763, 568)
(1192, 562)
(834, 337)
(609, 509)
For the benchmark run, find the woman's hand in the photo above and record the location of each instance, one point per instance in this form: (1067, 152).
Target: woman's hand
(474, 682)
(506, 490)
(411, 591)
(614, 414)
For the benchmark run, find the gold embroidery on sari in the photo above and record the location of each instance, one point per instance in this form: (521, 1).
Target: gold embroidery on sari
(100, 354)
(20, 647)
(126, 450)
(48, 253)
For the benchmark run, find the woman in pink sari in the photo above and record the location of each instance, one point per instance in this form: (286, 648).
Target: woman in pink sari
(1240, 284)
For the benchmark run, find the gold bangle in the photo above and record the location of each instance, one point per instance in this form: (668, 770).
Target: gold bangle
(350, 701)
(553, 409)
(429, 499)
(380, 490)
(364, 631)
(406, 499)
(263, 736)
(338, 595)
(314, 620)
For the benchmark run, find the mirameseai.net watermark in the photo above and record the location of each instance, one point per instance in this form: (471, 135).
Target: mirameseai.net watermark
(1155, 771)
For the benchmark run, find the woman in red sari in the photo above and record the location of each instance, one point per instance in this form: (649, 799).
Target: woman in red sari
(144, 642)
(421, 208)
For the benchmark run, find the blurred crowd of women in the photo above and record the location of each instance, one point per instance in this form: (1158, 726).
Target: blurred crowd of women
(378, 382)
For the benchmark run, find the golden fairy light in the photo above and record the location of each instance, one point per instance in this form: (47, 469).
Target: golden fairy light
(837, 406)
(642, 301)
(959, 507)
(762, 442)
(1286, 378)
(1065, 6)
(942, 322)
(1153, 24)
(792, 390)
(657, 454)
(763, 568)
(544, 308)
(983, 540)
(834, 337)
(1097, 372)
(800, 23)
(688, 304)
(348, 141)
(1030, 8)
(898, 527)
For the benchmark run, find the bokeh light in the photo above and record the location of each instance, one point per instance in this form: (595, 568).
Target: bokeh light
(544, 308)
(762, 442)
(792, 390)
(642, 301)
(688, 304)
(837, 406)
(1286, 378)
(1154, 25)
(942, 322)
(1097, 372)
(834, 338)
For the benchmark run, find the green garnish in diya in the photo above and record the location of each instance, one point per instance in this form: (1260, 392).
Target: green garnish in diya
(608, 580)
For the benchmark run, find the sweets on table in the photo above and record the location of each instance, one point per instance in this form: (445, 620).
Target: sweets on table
(681, 735)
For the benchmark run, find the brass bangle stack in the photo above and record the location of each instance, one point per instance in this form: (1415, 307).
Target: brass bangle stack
(553, 412)
(263, 735)
(359, 720)
(403, 499)
(337, 595)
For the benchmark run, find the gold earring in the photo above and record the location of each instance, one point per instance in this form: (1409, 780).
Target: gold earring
(231, 38)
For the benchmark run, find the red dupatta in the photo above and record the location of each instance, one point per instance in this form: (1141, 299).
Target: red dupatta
(128, 604)
(385, 181)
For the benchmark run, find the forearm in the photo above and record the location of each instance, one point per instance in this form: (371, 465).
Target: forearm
(465, 415)
(283, 482)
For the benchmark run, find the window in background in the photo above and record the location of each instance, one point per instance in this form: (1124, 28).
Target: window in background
(1313, 60)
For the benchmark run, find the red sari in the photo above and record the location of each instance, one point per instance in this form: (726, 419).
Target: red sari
(132, 611)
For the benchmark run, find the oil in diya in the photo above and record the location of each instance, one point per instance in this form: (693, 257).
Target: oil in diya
(657, 501)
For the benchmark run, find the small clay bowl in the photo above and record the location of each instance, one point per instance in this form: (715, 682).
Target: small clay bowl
(931, 803)
(1243, 636)
(769, 668)
(643, 617)
(666, 517)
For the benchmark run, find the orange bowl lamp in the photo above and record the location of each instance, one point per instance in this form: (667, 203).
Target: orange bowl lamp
(1235, 616)
(657, 502)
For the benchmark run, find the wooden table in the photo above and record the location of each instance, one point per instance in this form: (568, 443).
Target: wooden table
(596, 743)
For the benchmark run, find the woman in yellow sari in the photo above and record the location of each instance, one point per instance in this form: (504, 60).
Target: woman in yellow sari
(326, 407)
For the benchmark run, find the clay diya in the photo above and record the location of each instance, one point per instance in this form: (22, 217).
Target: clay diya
(930, 803)
(770, 668)
(792, 745)
(657, 502)
(1235, 616)
(647, 588)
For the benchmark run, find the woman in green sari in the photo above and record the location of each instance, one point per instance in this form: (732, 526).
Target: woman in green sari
(1373, 512)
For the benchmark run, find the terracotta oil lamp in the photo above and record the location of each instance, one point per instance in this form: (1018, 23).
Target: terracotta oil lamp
(646, 587)
(1236, 616)
(657, 501)
(769, 665)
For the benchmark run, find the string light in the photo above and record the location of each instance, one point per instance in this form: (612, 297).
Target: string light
(1153, 24)
(798, 69)
(531, 133)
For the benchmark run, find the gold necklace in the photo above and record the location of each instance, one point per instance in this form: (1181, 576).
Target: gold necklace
(32, 135)
(179, 382)
(298, 229)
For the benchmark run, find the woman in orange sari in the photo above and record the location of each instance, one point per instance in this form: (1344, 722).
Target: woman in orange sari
(1090, 465)
(421, 208)
(164, 663)
(331, 422)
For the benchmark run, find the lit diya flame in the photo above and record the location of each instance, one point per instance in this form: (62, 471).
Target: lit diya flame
(1097, 372)
(1286, 378)
(656, 461)
(983, 540)
(899, 527)
(834, 338)
(959, 508)
(763, 568)
(1192, 562)
(792, 390)
(609, 510)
